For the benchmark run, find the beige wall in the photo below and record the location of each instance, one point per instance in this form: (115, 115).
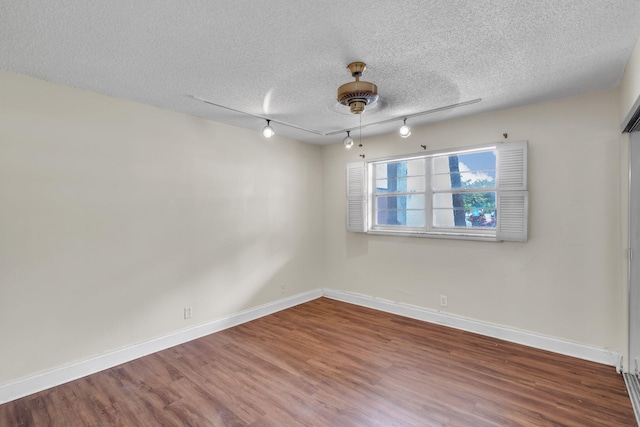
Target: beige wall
(568, 281)
(115, 215)
(630, 86)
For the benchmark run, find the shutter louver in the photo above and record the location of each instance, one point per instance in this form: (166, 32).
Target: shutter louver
(512, 194)
(512, 166)
(512, 215)
(356, 207)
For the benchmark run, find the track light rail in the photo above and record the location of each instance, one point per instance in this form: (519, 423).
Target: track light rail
(316, 132)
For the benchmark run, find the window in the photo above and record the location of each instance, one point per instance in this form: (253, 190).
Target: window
(474, 193)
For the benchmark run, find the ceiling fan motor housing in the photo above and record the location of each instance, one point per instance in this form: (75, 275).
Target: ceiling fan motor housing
(357, 95)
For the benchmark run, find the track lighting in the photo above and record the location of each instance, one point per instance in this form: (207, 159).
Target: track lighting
(405, 131)
(348, 141)
(370, 96)
(268, 131)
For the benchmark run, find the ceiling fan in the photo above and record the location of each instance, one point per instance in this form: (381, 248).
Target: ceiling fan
(357, 95)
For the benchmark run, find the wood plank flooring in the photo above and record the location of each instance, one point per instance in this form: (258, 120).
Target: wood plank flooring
(328, 363)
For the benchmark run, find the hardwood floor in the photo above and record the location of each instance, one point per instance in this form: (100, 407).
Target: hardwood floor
(328, 363)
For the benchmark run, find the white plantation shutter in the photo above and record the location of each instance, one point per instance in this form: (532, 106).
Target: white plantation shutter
(512, 194)
(356, 202)
(512, 216)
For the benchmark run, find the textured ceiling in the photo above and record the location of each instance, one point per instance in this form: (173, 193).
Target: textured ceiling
(284, 59)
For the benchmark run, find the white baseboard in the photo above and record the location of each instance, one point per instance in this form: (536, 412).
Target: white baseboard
(54, 377)
(556, 345)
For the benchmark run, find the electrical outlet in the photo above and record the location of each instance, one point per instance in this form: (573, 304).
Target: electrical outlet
(187, 313)
(443, 300)
(283, 289)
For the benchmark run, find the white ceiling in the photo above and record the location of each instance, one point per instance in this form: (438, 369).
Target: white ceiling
(284, 59)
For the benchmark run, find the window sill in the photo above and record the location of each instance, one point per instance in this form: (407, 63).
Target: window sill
(484, 237)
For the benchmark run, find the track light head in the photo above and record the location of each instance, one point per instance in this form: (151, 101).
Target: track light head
(405, 131)
(348, 141)
(268, 131)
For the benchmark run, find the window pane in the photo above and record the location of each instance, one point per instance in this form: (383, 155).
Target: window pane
(405, 211)
(412, 201)
(472, 218)
(466, 200)
(400, 169)
(471, 170)
(405, 185)
(464, 209)
(404, 218)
